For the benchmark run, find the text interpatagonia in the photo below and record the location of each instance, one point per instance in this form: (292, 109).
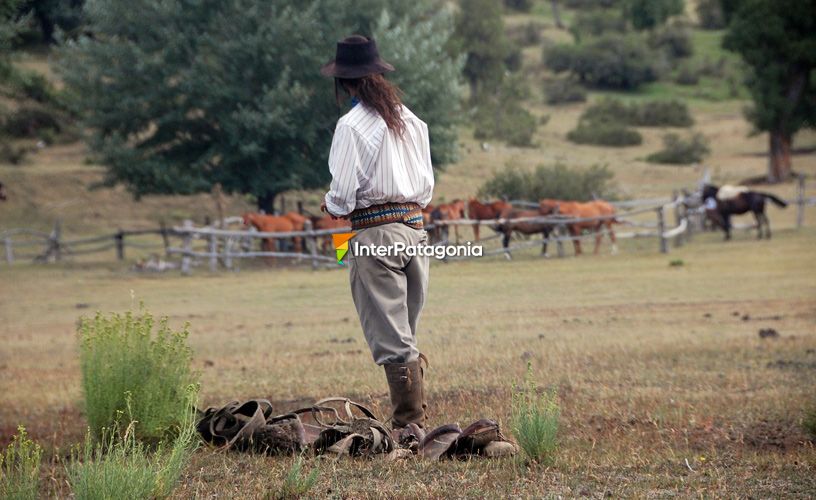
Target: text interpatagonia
(400, 248)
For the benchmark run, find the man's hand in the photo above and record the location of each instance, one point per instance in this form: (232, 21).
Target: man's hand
(324, 209)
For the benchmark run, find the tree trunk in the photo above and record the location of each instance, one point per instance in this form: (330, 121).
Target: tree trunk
(779, 162)
(556, 14)
(266, 203)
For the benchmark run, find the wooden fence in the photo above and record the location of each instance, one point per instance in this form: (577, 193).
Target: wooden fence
(673, 222)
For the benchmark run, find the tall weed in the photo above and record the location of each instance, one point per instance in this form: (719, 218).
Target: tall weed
(20, 468)
(535, 420)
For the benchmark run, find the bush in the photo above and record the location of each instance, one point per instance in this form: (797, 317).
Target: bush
(610, 61)
(564, 90)
(28, 121)
(809, 422)
(556, 181)
(125, 366)
(125, 468)
(519, 5)
(295, 483)
(647, 14)
(679, 151)
(591, 4)
(596, 22)
(603, 133)
(11, 154)
(648, 114)
(711, 14)
(503, 117)
(528, 35)
(674, 41)
(20, 468)
(686, 75)
(535, 421)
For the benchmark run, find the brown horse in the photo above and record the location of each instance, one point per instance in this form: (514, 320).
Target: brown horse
(485, 211)
(329, 222)
(299, 223)
(578, 210)
(269, 224)
(524, 227)
(3, 192)
(444, 212)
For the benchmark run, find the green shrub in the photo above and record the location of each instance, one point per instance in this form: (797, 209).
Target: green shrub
(679, 151)
(519, 5)
(20, 468)
(126, 366)
(591, 4)
(647, 114)
(11, 154)
(122, 467)
(674, 41)
(503, 116)
(555, 181)
(810, 422)
(563, 91)
(647, 14)
(603, 133)
(535, 421)
(710, 14)
(686, 75)
(28, 121)
(611, 61)
(596, 22)
(295, 483)
(528, 35)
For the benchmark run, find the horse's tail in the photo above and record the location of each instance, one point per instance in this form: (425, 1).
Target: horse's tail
(777, 201)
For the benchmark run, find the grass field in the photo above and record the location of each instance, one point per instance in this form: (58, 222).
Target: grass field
(654, 366)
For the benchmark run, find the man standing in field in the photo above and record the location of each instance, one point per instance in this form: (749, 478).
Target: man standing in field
(382, 177)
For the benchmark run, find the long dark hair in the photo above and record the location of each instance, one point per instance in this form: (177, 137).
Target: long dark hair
(377, 93)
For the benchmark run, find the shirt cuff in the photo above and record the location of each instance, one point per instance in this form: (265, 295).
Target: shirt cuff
(334, 209)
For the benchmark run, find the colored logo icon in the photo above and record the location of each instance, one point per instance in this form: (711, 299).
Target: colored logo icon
(341, 245)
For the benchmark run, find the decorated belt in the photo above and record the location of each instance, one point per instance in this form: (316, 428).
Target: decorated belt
(409, 214)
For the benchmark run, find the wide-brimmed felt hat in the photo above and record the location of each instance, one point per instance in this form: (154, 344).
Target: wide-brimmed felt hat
(356, 57)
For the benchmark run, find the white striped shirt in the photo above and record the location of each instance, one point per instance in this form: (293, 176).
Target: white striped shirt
(371, 165)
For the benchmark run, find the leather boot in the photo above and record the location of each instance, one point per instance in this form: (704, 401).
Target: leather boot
(407, 396)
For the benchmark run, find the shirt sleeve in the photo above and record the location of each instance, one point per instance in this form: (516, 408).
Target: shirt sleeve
(427, 193)
(345, 166)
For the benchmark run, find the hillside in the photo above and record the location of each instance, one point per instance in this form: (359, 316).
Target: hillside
(55, 181)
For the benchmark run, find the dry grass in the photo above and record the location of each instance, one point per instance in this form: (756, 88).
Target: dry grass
(653, 364)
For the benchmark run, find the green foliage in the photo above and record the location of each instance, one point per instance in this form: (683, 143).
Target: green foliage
(503, 116)
(679, 151)
(596, 22)
(30, 121)
(229, 92)
(711, 15)
(535, 420)
(777, 40)
(528, 35)
(122, 467)
(591, 4)
(519, 5)
(809, 422)
(556, 181)
(686, 75)
(610, 61)
(128, 368)
(480, 36)
(673, 40)
(13, 155)
(50, 15)
(563, 91)
(647, 114)
(647, 14)
(599, 133)
(296, 484)
(20, 468)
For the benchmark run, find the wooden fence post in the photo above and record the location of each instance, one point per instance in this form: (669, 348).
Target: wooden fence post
(119, 240)
(311, 242)
(54, 241)
(228, 252)
(559, 245)
(800, 201)
(678, 240)
(165, 239)
(661, 229)
(212, 249)
(9, 250)
(187, 246)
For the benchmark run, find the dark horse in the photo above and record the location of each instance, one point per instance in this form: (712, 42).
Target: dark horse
(743, 202)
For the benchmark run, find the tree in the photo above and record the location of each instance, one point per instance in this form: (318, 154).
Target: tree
(178, 97)
(647, 14)
(480, 35)
(53, 14)
(777, 40)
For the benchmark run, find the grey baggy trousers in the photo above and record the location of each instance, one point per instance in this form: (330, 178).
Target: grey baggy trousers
(389, 292)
